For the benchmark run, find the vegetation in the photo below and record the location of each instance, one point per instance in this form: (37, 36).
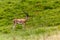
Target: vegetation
(42, 13)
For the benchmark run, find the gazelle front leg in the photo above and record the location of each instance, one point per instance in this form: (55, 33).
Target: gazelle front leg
(23, 26)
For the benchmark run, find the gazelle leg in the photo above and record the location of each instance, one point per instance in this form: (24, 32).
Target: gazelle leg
(14, 26)
(23, 25)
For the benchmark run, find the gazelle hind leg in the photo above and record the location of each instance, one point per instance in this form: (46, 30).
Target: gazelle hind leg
(14, 27)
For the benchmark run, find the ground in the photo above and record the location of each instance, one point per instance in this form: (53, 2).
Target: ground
(32, 37)
(52, 33)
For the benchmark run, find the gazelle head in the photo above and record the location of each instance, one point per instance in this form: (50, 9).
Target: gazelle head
(27, 16)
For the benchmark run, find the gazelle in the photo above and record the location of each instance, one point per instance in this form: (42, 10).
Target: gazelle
(20, 21)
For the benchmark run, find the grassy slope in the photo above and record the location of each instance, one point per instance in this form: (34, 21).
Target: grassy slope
(42, 13)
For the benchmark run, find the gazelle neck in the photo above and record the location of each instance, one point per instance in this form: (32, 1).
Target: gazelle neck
(27, 17)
